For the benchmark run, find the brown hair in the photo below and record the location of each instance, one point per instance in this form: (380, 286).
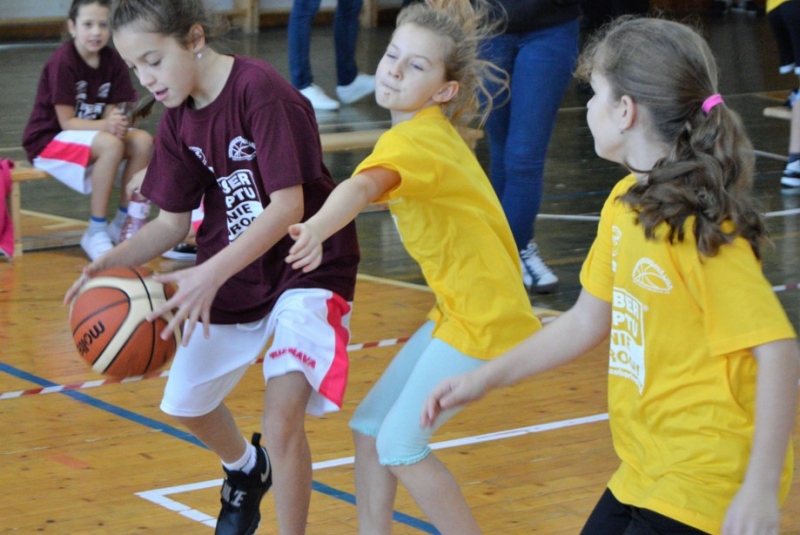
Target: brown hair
(78, 4)
(668, 68)
(463, 25)
(169, 17)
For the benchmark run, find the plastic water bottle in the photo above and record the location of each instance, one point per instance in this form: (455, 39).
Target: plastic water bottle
(138, 210)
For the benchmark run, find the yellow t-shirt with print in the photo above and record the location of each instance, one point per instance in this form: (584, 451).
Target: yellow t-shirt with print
(452, 224)
(681, 383)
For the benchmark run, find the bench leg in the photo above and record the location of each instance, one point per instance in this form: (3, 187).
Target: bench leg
(16, 217)
(250, 21)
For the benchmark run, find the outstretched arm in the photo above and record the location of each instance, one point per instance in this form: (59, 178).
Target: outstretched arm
(342, 206)
(569, 336)
(755, 508)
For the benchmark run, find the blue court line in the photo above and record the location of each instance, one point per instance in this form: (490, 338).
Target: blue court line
(188, 437)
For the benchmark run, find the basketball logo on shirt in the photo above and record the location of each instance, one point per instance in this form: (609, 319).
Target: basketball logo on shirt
(241, 201)
(240, 150)
(650, 276)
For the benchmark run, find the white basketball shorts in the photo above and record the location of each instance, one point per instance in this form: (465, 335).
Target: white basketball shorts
(310, 330)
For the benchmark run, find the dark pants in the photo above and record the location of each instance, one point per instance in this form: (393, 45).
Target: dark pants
(611, 517)
(598, 12)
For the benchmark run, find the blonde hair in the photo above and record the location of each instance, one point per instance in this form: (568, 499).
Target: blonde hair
(462, 25)
(669, 69)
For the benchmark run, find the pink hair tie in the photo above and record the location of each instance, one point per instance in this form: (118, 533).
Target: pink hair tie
(710, 102)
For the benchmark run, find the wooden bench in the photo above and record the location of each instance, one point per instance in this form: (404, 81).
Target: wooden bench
(20, 174)
(779, 112)
(331, 142)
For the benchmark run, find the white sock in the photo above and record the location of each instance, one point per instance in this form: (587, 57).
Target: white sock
(246, 462)
(96, 226)
(119, 219)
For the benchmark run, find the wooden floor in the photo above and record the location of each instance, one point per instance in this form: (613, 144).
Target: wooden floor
(84, 455)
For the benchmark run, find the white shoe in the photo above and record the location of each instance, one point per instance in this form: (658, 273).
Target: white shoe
(319, 100)
(363, 85)
(536, 276)
(791, 176)
(115, 232)
(182, 251)
(97, 244)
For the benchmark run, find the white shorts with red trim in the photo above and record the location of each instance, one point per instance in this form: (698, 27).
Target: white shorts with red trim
(310, 330)
(67, 159)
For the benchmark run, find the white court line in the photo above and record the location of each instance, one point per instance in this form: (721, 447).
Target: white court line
(771, 155)
(159, 496)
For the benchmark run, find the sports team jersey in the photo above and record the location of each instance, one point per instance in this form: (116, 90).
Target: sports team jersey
(258, 136)
(681, 375)
(452, 224)
(68, 79)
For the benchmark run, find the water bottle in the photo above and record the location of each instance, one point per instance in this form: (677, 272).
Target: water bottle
(138, 210)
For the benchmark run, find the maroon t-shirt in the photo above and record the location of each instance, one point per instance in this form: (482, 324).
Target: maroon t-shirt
(258, 136)
(68, 79)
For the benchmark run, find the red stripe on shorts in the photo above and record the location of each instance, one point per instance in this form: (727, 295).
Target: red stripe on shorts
(68, 152)
(335, 381)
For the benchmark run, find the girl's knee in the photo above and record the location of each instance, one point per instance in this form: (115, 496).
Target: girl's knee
(139, 142)
(106, 145)
(282, 430)
(396, 451)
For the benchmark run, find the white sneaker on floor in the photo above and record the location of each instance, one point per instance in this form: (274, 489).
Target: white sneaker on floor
(115, 231)
(363, 85)
(791, 176)
(97, 244)
(319, 100)
(536, 276)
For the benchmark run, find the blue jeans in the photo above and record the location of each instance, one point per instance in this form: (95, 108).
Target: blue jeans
(540, 64)
(345, 35)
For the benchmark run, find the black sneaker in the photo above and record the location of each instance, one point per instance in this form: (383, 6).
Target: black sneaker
(182, 251)
(789, 103)
(241, 495)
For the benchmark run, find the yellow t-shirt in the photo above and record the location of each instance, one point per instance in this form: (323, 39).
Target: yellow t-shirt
(681, 383)
(452, 224)
(772, 4)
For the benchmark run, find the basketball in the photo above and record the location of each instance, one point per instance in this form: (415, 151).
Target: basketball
(108, 322)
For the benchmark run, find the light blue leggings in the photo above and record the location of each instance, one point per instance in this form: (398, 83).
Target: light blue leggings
(391, 410)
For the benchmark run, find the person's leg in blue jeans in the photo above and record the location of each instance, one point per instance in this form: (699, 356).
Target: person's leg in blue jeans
(540, 65)
(300, 19)
(345, 36)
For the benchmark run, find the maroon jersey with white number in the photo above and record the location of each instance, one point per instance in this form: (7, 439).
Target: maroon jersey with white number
(257, 137)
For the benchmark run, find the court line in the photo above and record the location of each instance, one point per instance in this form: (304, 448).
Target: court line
(187, 437)
(54, 388)
(160, 496)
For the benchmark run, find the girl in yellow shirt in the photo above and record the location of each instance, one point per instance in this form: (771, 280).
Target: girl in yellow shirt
(452, 224)
(703, 363)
